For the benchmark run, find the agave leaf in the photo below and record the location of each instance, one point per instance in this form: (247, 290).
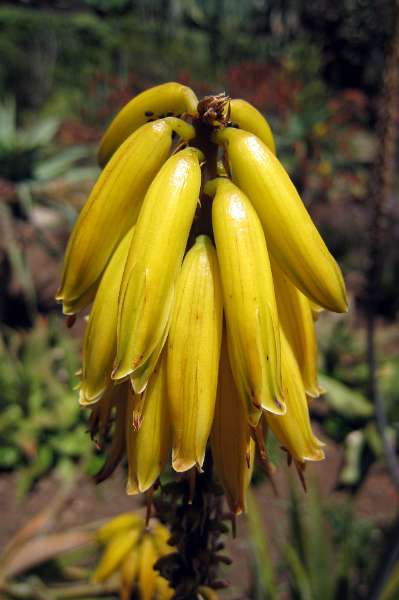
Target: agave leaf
(38, 135)
(41, 549)
(265, 578)
(61, 163)
(318, 547)
(298, 570)
(78, 174)
(345, 401)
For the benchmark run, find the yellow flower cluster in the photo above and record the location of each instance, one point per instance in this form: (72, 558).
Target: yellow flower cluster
(204, 269)
(131, 550)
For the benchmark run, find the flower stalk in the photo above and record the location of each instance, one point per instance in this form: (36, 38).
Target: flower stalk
(192, 508)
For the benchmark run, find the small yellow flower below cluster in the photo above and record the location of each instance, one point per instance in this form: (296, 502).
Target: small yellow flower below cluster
(130, 551)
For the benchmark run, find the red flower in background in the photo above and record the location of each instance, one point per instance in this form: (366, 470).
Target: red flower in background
(268, 86)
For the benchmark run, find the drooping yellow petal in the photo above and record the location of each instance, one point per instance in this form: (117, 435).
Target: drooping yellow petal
(149, 446)
(159, 101)
(122, 522)
(293, 430)
(161, 536)
(147, 575)
(115, 552)
(156, 253)
(193, 354)
(232, 446)
(316, 310)
(290, 233)
(99, 345)
(207, 593)
(249, 118)
(139, 378)
(164, 591)
(249, 301)
(297, 321)
(129, 571)
(112, 208)
(75, 306)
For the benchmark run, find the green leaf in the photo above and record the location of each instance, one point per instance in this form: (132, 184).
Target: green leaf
(70, 443)
(9, 457)
(40, 134)
(344, 400)
(301, 581)
(60, 164)
(318, 548)
(265, 579)
(27, 476)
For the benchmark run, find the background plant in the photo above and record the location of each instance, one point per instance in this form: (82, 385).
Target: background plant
(41, 425)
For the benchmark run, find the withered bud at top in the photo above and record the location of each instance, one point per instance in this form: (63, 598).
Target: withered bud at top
(212, 109)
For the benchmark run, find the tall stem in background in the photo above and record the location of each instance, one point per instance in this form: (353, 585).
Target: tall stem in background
(381, 189)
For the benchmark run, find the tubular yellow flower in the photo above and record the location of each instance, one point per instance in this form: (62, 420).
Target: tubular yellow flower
(129, 571)
(291, 235)
(163, 591)
(99, 345)
(249, 301)
(232, 447)
(76, 305)
(316, 310)
(132, 549)
(124, 521)
(297, 321)
(140, 377)
(147, 576)
(159, 101)
(161, 536)
(148, 447)
(160, 236)
(193, 354)
(112, 209)
(116, 551)
(293, 430)
(250, 119)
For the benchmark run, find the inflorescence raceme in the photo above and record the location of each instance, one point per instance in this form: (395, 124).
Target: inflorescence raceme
(205, 273)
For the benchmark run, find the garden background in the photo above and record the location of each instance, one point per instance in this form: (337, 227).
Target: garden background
(325, 76)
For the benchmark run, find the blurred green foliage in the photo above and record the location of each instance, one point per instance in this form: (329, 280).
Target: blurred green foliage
(50, 51)
(41, 424)
(19, 147)
(328, 552)
(349, 418)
